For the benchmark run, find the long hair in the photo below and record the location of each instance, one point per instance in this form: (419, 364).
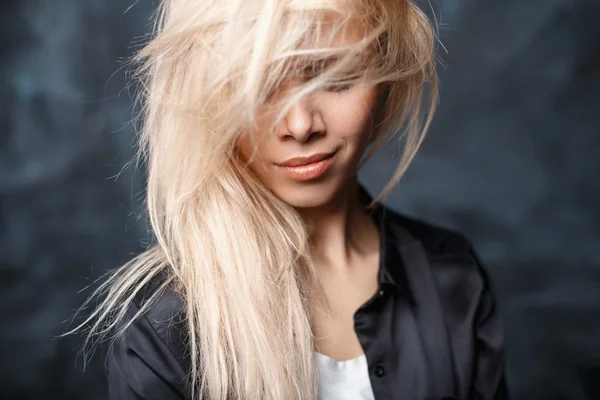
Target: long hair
(238, 256)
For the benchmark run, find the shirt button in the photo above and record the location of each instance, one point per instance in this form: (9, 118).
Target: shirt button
(381, 293)
(379, 371)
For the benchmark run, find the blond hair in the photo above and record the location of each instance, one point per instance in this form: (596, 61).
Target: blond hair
(239, 256)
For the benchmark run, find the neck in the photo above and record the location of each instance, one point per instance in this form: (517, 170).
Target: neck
(342, 230)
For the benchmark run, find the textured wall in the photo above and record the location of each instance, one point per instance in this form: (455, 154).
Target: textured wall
(511, 160)
(64, 218)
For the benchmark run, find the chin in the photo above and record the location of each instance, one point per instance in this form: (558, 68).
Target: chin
(306, 194)
(304, 202)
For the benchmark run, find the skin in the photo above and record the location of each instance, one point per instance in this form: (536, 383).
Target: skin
(345, 238)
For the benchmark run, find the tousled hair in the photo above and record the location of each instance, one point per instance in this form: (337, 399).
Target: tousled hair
(238, 256)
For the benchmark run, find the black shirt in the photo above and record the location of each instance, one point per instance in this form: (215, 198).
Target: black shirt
(432, 331)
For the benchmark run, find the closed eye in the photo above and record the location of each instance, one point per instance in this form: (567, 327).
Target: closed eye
(338, 88)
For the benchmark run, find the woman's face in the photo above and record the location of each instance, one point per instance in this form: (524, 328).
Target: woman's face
(332, 123)
(335, 124)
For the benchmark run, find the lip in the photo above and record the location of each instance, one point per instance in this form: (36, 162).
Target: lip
(300, 161)
(317, 166)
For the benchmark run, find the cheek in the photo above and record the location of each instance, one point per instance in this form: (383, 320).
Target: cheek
(352, 117)
(246, 149)
(245, 144)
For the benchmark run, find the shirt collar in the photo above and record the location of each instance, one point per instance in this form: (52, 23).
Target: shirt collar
(391, 267)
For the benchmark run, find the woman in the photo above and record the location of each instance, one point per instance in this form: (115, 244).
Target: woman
(274, 273)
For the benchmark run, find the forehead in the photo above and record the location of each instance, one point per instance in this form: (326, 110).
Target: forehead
(329, 42)
(332, 32)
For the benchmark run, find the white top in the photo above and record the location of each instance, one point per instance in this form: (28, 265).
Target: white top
(344, 380)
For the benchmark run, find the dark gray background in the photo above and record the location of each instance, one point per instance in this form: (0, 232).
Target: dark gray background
(512, 160)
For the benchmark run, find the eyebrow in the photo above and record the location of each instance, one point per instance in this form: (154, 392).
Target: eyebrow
(319, 65)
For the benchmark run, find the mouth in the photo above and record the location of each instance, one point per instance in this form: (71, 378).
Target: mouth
(302, 161)
(307, 168)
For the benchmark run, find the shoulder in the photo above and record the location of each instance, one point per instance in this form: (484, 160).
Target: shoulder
(463, 298)
(435, 239)
(161, 302)
(146, 358)
(452, 260)
(163, 311)
(155, 317)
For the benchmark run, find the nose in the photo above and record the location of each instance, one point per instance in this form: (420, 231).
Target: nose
(301, 122)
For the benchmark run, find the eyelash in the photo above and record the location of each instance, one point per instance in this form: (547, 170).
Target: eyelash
(331, 88)
(334, 88)
(338, 88)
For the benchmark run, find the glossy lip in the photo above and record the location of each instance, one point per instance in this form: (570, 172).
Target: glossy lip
(306, 172)
(300, 161)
